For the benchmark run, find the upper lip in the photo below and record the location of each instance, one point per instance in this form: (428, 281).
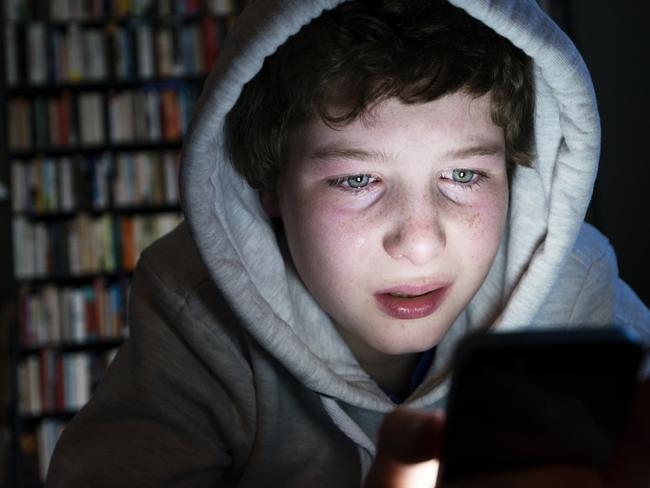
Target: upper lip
(415, 289)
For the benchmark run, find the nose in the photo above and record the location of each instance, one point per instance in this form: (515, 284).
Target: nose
(417, 234)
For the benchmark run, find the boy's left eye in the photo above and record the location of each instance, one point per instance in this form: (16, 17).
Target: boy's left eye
(461, 175)
(358, 181)
(463, 178)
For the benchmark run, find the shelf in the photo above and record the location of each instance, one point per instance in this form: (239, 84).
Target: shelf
(86, 150)
(132, 210)
(64, 415)
(122, 61)
(107, 85)
(76, 280)
(154, 19)
(93, 345)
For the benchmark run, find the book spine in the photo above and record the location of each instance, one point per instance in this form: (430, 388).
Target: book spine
(144, 39)
(75, 56)
(37, 58)
(11, 55)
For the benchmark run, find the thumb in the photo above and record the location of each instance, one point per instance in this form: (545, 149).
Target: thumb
(409, 445)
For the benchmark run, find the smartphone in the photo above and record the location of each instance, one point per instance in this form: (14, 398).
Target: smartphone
(520, 400)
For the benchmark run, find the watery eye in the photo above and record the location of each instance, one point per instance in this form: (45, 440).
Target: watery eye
(358, 181)
(462, 175)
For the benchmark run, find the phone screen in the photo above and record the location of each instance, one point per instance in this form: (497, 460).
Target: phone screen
(528, 399)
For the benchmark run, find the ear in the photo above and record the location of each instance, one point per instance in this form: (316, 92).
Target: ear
(270, 204)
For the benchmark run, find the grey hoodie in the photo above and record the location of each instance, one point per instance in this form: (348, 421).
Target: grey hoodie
(234, 376)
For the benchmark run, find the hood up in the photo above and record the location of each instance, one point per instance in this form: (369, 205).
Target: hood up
(238, 245)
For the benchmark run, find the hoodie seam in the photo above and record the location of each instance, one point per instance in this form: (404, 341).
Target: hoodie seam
(184, 305)
(151, 268)
(596, 265)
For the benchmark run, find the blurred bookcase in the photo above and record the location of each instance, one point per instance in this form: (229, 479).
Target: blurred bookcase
(97, 95)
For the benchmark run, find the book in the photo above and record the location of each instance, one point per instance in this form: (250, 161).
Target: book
(94, 55)
(40, 122)
(20, 129)
(144, 42)
(165, 52)
(171, 170)
(47, 435)
(66, 184)
(91, 118)
(36, 52)
(11, 55)
(171, 114)
(122, 39)
(221, 7)
(210, 41)
(121, 116)
(153, 114)
(74, 48)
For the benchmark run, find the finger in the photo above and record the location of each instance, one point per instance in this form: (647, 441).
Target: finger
(407, 451)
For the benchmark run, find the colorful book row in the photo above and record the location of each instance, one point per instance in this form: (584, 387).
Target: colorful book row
(54, 315)
(156, 113)
(54, 382)
(98, 9)
(45, 185)
(85, 245)
(51, 382)
(38, 53)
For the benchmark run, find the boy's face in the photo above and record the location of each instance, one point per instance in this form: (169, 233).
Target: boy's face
(393, 221)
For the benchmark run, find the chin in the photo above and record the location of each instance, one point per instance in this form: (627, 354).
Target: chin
(397, 347)
(397, 343)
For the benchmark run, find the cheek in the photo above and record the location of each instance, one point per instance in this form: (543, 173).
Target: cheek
(339, 238)
(324, 241)
(482, 225)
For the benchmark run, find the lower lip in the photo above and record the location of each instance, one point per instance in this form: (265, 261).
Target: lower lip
(411, 308)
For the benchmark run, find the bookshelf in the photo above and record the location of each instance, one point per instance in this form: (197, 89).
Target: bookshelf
(97, 95)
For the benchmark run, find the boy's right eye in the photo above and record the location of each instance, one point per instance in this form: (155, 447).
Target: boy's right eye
(354, 182)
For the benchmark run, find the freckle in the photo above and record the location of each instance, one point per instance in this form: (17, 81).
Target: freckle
(470, 215)
(473, 217)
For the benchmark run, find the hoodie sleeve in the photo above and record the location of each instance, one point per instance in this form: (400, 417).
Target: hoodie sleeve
(159, 417)
(603, 295)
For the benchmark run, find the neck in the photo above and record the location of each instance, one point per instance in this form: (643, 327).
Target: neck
(392, 372)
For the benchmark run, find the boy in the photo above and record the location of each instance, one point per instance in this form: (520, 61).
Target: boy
(358, 197)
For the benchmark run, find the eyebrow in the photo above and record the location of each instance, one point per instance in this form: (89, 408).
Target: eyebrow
(329, 153)
(479, 149)
(332, 152)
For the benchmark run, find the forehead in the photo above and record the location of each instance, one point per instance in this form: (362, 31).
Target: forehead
(451, 122)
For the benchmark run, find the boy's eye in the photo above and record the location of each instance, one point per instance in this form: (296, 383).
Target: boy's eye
(358, 181)
(355, 184)
(463, 178)
(463, 175)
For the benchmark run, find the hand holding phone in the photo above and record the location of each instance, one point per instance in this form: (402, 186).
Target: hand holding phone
(410, 442)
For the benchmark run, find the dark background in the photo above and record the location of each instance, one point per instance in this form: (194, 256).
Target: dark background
(614, 39)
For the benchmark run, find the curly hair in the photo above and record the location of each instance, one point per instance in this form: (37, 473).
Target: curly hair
(363, 52)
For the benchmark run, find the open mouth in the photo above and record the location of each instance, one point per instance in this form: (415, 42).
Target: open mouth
(397, 294)
(407, 306)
